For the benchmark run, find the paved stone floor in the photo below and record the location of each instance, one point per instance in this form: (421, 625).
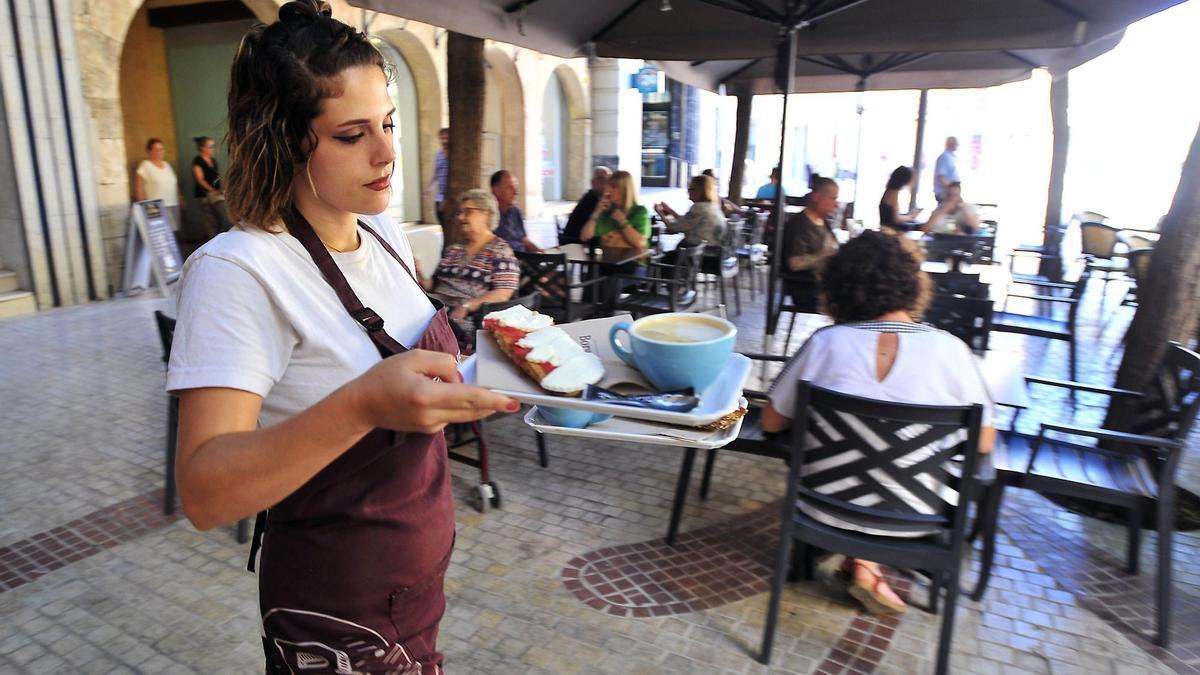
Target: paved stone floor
(570, 575)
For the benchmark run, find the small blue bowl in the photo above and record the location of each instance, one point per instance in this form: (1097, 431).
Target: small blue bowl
(572, 419)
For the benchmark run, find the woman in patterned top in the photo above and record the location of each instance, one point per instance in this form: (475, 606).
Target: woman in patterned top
(875, 291)
(479, 269)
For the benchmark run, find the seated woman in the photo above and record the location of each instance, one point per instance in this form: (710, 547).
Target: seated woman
(890, 217)
(619, 221)
(704, 222)
(953, 215)
(479, 268)
(874, 290)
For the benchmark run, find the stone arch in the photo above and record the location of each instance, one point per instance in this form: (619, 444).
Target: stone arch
(429, 102)
(512, 106)
(579, 133)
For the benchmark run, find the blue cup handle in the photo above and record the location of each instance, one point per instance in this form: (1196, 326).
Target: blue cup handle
(625, 354)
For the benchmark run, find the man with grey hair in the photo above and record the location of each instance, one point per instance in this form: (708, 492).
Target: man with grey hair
(586, 206)
(945, 171)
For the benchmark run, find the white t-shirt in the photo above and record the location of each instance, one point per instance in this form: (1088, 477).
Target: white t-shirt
(160, 182)
(256, 314)
(932, 367)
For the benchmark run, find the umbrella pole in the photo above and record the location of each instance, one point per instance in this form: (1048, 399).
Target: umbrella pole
(777, 245)
(916, 165)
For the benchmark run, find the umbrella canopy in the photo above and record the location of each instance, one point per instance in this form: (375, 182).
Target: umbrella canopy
(881, 72)
(749, 29)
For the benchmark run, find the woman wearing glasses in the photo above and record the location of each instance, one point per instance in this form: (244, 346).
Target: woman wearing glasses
(207, 190)
(478, 269)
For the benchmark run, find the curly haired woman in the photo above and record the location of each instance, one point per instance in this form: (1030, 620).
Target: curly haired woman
(875, 291)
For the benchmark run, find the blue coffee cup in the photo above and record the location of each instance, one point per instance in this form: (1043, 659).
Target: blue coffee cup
(570, 418)
(676, 350)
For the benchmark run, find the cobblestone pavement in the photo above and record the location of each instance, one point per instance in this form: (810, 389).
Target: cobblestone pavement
(95, 579)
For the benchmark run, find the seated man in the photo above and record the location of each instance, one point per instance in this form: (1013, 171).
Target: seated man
(953, 215)
(771, 189)
(807, 242)
(512, 221)
(586, 206)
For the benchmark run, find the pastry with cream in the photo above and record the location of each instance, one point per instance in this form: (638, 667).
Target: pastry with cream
(543, 351)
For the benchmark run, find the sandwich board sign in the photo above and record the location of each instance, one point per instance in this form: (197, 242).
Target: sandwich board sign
(151, 249)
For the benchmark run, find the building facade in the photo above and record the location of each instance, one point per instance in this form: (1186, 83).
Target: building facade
(86, 83)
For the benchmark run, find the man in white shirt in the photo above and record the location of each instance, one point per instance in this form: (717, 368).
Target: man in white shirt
(945, 171)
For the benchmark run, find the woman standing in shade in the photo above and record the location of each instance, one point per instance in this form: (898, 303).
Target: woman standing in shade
(155, 179)
(314, 375)
(207, 191)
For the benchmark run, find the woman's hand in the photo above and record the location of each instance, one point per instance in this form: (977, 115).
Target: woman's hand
(460, 312)
(422, 391)
(619, 216)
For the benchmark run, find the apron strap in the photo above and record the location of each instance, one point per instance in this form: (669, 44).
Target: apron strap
(260, 526)
(365, 316)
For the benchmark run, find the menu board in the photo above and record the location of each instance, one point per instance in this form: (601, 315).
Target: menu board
(151, 251)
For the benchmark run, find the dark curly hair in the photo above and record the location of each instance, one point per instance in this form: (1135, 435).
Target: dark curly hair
(872, 275)
(281, 74)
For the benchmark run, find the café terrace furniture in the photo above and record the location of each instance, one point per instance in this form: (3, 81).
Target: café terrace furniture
(1099, 243)
(665, 288)
(550, 276)
(1049, 327)
(721, 262)
(966, 318)
(1139, 267)
(166, 335)
(874, 437)
(959, 283)
(486, 493)
(749, 248)
(1134, 469)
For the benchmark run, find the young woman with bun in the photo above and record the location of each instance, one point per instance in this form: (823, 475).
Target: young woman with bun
(314, 374)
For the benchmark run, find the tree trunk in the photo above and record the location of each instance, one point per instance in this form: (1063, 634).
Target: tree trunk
(465, 94)
(741, 140)
(1051, 267)
(1169, 300)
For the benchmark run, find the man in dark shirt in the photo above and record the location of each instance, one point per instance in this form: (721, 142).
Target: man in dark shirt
(586, 206)
(512, 221)
(807, 241)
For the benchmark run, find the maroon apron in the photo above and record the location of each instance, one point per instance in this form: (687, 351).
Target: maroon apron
(351, 564)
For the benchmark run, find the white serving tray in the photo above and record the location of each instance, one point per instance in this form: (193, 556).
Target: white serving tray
(718, 400)
(636, 431)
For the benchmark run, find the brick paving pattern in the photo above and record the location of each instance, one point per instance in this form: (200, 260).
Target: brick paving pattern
(84, 418)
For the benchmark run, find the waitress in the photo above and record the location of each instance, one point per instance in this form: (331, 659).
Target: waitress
(314, 375)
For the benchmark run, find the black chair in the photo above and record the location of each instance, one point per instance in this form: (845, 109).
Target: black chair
(968, 319)
(1046, 326)
(549, 275)
(828, 426)
(665, 288)
(1099, 243)
(166, 335)
(749, 246)
(972, 248)
(1139, 268)
(959, 283)
(1134, 469)
(722, 263)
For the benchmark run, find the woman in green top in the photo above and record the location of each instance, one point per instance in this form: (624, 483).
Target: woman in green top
(619, 220)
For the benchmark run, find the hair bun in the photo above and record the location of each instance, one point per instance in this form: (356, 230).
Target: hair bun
(304, 12)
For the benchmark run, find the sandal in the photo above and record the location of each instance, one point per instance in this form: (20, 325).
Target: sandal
(867, 592)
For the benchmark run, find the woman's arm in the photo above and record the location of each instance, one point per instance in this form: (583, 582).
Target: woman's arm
(774, 421)
(632, 226)
(198, 174)
(139, 187)
(227, 469)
